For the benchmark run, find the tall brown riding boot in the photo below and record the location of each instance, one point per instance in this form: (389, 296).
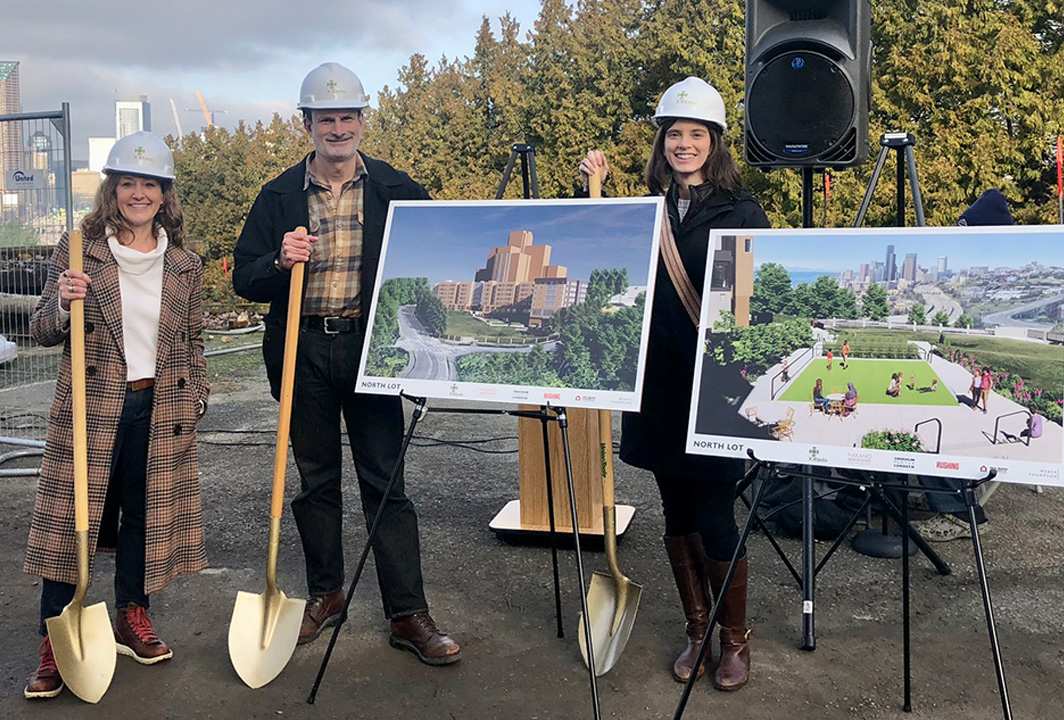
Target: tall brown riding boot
(687, 557)
(734, 668)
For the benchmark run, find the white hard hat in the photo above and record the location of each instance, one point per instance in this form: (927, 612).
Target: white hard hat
(691, 99)
(331, 86)
(140, 153)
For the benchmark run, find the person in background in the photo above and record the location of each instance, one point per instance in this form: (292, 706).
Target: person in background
(342, 196)
(830, 356)
(845, 354)
(894, 388)
(819, 400)
(849, 400)
(146, 387)
(692, 167)
(785, 372)
(951, 521)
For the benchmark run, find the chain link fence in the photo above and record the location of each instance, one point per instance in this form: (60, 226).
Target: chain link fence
(36, 208)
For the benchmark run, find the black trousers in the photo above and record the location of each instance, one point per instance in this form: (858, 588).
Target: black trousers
(326, 370)
(705, 506)
(126, 487)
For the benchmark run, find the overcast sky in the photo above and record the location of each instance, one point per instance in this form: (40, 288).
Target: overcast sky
(247, 58)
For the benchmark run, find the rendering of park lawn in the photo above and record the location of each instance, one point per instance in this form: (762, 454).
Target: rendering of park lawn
(870, 378)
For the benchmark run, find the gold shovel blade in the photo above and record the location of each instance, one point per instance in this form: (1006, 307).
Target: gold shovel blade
(84, 647)
(605, 608)
(263, 633)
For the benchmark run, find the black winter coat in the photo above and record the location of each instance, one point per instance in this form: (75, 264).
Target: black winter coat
(281, 207)
(655, 438)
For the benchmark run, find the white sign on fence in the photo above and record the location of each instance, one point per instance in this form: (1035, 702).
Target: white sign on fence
(26, 179)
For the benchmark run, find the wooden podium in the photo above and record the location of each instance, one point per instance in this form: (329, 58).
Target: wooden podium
(529, 514)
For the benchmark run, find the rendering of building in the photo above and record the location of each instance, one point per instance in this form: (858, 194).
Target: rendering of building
(732, 282)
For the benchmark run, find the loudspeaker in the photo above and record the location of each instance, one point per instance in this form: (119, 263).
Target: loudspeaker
(808, 82)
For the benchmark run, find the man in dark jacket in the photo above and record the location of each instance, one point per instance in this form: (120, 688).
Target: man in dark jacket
(342, 196)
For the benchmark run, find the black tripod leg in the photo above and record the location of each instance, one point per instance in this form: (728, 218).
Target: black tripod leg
(419, 409)
(914, 184)
(563, 423)
(740, 550)
(544, 419)
(871, 185)
(808, 567)
(999, 668)
(506, 173)
(907, 703)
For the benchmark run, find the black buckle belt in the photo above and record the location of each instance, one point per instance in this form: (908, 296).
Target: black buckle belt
(331, 325)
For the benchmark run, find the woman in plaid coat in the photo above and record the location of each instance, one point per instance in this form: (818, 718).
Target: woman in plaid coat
(146, 386)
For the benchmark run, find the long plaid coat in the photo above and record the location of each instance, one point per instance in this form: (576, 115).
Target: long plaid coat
(174, 530)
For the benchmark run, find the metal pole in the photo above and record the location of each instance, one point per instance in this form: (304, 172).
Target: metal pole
(66, 169)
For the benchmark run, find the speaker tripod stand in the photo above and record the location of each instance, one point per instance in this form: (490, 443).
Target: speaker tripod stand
(902, 144)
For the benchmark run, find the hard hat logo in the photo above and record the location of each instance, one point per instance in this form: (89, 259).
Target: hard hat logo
(691, 99)
(141, 153)
(331, 86)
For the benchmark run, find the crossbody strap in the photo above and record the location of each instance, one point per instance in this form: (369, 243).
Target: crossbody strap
(692, 301)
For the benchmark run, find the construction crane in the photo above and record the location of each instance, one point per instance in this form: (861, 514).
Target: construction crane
(177, 120)
(208, 114)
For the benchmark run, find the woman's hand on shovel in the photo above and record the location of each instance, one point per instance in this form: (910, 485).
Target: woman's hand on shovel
(593, 162)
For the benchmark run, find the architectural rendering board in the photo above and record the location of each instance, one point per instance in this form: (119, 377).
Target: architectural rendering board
(935, 351)
(545, 302)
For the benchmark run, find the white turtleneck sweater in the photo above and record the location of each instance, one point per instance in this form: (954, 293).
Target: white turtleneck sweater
(140, 279)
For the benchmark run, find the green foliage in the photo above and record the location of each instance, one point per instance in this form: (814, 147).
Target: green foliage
(940, 318)
(772, 290)
(604, 284)
(431, 313)
(917, 314)
(964, 321)
(531, 368)
(822, 298)
(15, 233)
(757, 347)
(896, 440)
(874, 304)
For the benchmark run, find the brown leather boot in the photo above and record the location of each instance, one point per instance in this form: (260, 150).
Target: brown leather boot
(734, 668)
(686, 557)
(135, 637)
(45, 681)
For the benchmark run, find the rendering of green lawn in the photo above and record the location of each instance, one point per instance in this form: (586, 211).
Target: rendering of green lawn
(871, 378)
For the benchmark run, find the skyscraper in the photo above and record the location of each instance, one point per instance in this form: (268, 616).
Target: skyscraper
(10, 132)
(889, 268)
(132, 116)
(943, 267)
(909, 267)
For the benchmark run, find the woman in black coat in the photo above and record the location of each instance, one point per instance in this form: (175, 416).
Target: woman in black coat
(692, 167)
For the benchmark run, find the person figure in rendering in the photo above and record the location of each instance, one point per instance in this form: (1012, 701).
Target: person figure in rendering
(830, 356)
(951, 519)
(845, 354)
(785, 372)
(986, 384)
(849, 400)
(894, 389)
(819, 400)
(146, 387)
(342, 196)
(692, 167)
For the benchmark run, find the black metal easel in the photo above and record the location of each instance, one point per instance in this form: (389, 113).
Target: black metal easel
(879, 489)
(544, 415)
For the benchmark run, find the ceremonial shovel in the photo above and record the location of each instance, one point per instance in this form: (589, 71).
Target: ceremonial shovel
(82, 638)
(612, 600)
(265, 628)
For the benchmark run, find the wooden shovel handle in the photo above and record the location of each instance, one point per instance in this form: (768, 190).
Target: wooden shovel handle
(77, 383)
(288, 381)
(594, 185)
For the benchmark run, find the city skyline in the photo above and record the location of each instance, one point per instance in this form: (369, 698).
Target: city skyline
(851, 250)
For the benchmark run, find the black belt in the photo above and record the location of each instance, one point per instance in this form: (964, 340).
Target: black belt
(331, 325)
